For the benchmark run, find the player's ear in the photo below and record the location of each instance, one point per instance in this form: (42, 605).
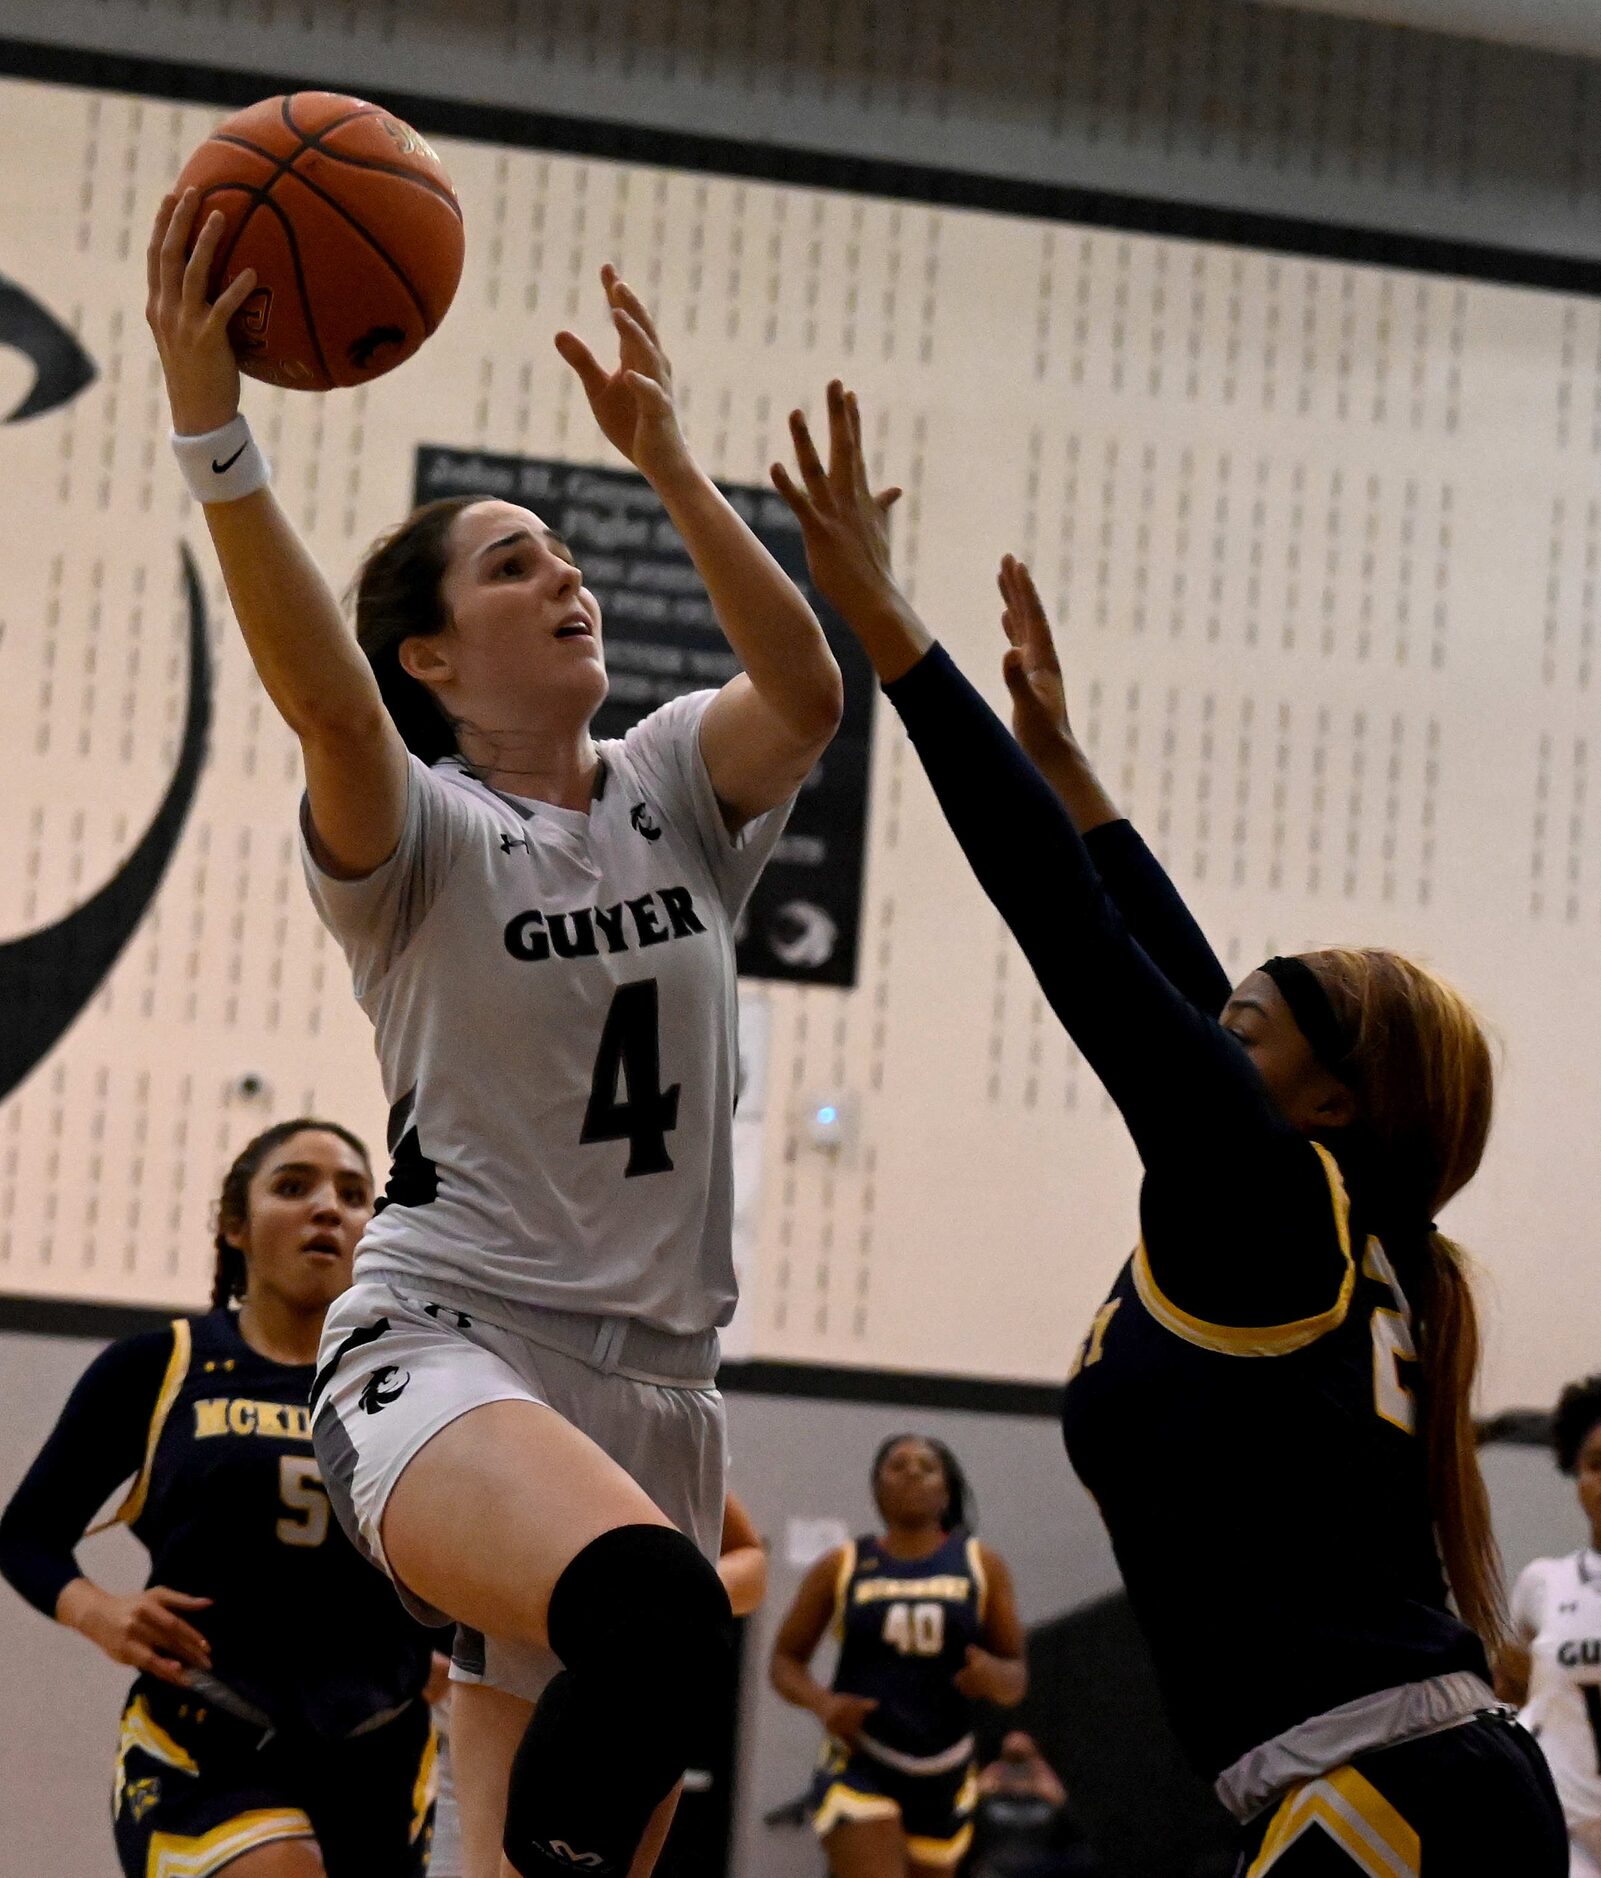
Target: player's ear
(234, 1230)
(1337, 1106)
(424, 657)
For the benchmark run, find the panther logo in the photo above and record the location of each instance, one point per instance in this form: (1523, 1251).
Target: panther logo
(375, 1395)
(644, 822)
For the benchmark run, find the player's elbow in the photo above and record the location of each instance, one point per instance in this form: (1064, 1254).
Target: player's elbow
(812, 705)
(341, 728)
(826, 708)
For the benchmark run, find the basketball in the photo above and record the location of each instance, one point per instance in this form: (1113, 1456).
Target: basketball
(353, 228)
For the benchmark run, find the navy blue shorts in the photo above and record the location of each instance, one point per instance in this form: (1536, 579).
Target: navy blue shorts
(196, 1789)
(1475, 1801)
(935, 1810)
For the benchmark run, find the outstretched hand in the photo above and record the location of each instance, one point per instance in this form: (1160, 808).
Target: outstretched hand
(633, 405)
(1040, 722)
(191, 332)
(845, 525)
(1030, 666)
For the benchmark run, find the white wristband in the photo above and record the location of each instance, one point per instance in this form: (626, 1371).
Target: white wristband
(222, 465)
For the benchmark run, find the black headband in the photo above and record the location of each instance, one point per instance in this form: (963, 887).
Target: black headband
(1302, 990)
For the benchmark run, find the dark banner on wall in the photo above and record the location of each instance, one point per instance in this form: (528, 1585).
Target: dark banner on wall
(662, 639)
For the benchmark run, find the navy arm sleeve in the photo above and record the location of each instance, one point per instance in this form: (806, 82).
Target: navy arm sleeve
(1156, 916)
(96, 1445)
(1194, 1103)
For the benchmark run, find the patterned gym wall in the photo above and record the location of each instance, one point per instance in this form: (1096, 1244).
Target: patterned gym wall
(1323, 546)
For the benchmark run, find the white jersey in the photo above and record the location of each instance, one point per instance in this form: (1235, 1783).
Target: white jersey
(1556, 1609)
(553, 996)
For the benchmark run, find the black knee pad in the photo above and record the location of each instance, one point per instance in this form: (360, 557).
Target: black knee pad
(643, 1628)
(642, 1609)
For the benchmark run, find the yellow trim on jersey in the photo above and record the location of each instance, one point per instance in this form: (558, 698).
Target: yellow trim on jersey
(841, 1803)
(175, 1855)
(1257, 1339)
(842, 1583)
(177, 1368)
(141, 1730)
(1355, 1815)
(975, 1566)
(426, 1789)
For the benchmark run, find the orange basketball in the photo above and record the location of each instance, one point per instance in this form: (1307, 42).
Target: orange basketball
(351, 224)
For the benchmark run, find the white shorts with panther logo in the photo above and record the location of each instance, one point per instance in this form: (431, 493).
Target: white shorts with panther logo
(395, 1367)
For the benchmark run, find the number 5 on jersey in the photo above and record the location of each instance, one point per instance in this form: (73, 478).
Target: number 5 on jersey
(626, 1099)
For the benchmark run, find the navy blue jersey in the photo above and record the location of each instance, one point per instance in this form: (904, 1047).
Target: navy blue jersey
(227, 1499)
(904, 1626)
(1266, 1493)
(1245, 1407)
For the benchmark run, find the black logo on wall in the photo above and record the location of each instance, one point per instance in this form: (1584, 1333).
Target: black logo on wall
(48, 977)
(662, 639)
(61, 367)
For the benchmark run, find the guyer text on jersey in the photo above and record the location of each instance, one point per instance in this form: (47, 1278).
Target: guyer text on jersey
(649, 920)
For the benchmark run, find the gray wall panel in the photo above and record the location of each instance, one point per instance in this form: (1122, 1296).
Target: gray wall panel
(59, 1697)
(808, 1459)
(1219, 102)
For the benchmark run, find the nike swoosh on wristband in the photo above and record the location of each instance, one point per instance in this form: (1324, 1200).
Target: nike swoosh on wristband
(223, 468)
(47, 978)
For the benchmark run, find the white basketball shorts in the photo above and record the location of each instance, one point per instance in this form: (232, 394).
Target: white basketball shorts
(395, 1367)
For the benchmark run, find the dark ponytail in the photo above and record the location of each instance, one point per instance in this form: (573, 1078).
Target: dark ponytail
(398, 596)
(233, 1203)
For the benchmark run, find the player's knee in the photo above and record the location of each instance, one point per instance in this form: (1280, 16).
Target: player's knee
(641, 1608)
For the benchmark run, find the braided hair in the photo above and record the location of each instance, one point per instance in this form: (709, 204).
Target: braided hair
(960, 1509)
(233, 1203)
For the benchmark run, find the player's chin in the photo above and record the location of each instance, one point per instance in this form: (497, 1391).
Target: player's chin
(589, 684)
(321, 1278)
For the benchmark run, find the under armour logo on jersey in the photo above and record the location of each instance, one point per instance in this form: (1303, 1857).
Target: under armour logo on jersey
(438, 1311)
(508, 842)
(640, 816)
(374, 1395)
(564, 1854)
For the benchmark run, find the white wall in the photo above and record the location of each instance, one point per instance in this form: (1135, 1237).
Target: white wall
(1321, 541)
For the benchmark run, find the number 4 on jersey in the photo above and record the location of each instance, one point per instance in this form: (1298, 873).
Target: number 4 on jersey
(630, 1060)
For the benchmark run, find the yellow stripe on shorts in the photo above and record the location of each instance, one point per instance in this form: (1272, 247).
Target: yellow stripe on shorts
(140, 1730)
(1355, 1815)
(175, 1855)
(426, 1789)
(841, 1803)
(939, 1851)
